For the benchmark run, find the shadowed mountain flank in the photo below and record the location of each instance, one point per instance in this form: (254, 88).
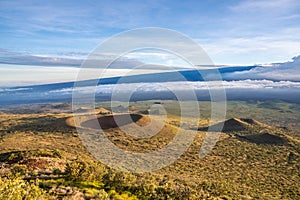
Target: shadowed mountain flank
(251, 130)
(263, 138)
(236, 125)
(107, 122)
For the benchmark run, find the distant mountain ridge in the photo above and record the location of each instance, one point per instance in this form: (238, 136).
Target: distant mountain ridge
(62, 92)
(186, 75)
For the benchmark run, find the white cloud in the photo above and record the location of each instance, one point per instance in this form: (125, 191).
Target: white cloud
(182, 86)
(283, 71)
(13, 89)
(278, 47)
(21, 75)
(240, 88)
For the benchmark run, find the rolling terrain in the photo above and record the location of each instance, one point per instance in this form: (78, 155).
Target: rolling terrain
(255, 158)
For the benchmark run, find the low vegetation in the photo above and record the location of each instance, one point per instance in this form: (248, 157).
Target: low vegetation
(42, 158)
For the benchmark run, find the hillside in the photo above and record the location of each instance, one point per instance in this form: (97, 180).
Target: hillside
(252, 160)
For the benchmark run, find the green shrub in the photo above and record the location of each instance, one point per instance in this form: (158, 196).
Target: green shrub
(119, 180)
(18, 189)
(56, 171)
(79, 170)
(19, 170)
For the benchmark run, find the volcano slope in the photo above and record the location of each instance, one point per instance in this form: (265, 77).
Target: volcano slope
(114, 132)
(250, 161)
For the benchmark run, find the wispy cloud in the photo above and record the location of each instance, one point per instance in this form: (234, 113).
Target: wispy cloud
(8, 57)
(226, 28)
(263, 5)
(278, 47)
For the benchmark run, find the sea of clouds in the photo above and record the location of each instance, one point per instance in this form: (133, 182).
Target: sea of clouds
(288, 71)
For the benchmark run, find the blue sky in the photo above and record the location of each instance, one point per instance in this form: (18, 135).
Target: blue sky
(231, 32)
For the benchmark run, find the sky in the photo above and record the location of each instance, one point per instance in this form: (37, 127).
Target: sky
(232, 32)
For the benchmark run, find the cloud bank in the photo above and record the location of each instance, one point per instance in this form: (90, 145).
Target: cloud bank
(235, 90)
(288, 71)
(181, 86)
